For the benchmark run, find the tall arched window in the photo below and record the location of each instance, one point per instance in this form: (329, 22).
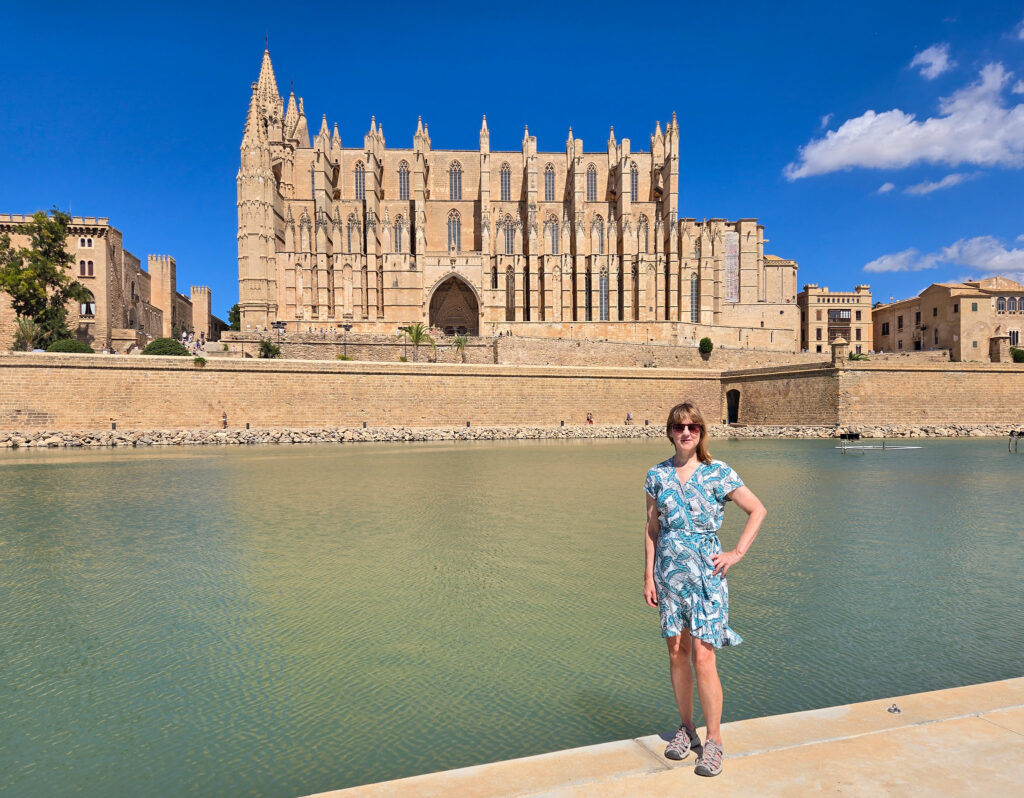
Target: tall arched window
(621, 285)
(603, 294)
(634, 183)
(506, 183)
(541, 295)
(643, 230)
(668, 286)
(360, 172)
(399, 223)
(352, 230)
(526, 293)
(455, 181)
(510, 295)
(1001, 303)
(454, 232)
(366, 292)
(553, 232)
(81, 268)
(591, 183)
(588, 284)
(599, 234)
(1011, 303)
(694, 299)
(510, 236)
(494, 277)
(636, 293)
(88, 268)
(549, 183)
(88, 307)
(403, 180)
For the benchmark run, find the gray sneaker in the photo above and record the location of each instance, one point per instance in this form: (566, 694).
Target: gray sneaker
(709, 763)
(682, 743)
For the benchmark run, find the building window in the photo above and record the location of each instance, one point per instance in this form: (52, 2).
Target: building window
(588, 285)
(935, 312)
(1014, 337)
(899, 322)
(454, 232)
(858, 315)
(858, 350)
(644, 231)
(817, 333)
(399, 223)
(885, 328)
(88, 268)
(857, 333)
(526, 293)
(956, 307)
(603, 295)
(81, 268)
(549, 183)
(899, 344)
(817, 315)
(494, 277)
(599, 229)
(88, 308)
(917, 317)
(1011, 304)
(974, 344)
(360, 181)
(634, 183)
(591, 183)
(455, 182)
(935, 337)
(81, 242)
(403, 181)
(818, 348)
(553, 229)
(510, 236)
(353, 233)
(1001, 304)
(694, 299)
(506, 183)
(974, 307)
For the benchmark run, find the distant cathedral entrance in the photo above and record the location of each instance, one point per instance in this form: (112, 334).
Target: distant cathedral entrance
(454, 308)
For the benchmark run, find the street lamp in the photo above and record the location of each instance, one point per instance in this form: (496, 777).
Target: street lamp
(279, 325)
(346, 328)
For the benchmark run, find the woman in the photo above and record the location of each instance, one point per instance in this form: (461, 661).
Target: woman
(684, 573)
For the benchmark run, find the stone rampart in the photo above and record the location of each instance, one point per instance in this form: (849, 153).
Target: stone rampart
(66, 392)
(785, 395)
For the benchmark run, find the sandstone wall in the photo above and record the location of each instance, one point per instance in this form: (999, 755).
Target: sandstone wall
(90, 391)
(786, 395)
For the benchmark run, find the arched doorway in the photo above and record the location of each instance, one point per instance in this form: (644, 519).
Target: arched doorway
(732, 403)
(454, 308)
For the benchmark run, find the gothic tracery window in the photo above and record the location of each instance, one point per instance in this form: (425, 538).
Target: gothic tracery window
(644, 234)
(506, 183)
(553, 231)
(360, 173)
(403, 180)
(454, 231)
(634, 183)
(399, 222)
(591, 183)
(598, 229)
(549, 183)
(694, 299)
(603, 295)
(510, 236)
(455, 181)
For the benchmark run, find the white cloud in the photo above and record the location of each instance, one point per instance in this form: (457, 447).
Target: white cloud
(985, 253)
(1020, 30)
(975, 126)
(1018, 87)
(885, 188)
(825, 120)
(933, 61)
(948, 181)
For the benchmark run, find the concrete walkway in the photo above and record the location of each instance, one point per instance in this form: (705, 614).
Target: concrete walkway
(957, 742)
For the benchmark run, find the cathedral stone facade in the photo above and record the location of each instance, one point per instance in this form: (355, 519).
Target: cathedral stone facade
(550, 244)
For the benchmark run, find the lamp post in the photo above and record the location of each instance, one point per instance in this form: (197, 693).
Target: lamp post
(279, 325)
(346, 328)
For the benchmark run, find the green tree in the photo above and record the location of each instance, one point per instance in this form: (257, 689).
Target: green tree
(706, 346)
(268, 349)
(460, 345)
(235, 318)
(38, 277)
(417, 334)
(26, 335)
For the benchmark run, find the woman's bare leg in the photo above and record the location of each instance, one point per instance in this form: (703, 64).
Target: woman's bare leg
(679, 650)
(709, 688)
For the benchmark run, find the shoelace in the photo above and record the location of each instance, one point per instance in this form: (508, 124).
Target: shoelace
(712, 755)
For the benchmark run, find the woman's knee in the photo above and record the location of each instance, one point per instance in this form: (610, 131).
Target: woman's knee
(703, 655)
(679, 647)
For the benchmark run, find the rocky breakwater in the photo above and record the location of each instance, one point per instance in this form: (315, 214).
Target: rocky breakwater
(247, 437)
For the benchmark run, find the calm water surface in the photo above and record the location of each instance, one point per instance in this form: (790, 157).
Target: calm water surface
(281, 621)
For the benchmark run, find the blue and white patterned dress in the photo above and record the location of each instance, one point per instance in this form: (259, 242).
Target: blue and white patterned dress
(690, 595)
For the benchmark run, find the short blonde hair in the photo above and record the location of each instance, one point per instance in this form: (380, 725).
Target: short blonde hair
(687, 412)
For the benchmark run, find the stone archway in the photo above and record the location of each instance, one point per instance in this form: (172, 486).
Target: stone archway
(454, 308)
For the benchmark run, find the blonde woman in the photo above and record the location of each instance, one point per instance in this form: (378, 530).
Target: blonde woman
(684, 573)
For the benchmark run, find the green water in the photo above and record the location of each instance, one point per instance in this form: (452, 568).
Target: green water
(280, 621)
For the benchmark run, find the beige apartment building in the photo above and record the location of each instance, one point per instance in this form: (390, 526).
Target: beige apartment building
(974, 320)
(826, 315)
(583, 242)
(128, 304)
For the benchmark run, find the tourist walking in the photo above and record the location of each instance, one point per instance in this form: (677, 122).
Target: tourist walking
(684, 573)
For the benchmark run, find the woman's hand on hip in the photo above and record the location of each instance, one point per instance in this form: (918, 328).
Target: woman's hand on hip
(725, 560)
(650, 592)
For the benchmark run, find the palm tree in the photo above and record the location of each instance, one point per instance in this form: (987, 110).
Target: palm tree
(26, 334)
(417, 334)
(460, 345)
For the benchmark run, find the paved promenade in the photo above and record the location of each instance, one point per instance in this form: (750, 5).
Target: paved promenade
(964, 741)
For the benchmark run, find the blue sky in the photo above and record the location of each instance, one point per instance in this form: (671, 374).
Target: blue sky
(800, 114)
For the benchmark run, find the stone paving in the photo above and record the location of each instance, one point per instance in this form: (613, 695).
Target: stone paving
(963, 741)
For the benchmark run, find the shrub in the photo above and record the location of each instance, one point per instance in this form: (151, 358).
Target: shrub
(403, 359)
(1017, 354)
(70, 345)
(268, 349)
(165, 346)
(858, 356)
(199, 361)
(706, 346)
(343, 357)
(26, 334)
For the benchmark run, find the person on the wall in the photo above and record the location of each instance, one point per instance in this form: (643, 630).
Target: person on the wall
(685, 573)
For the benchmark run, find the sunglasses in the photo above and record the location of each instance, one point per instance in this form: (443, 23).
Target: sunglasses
(693, 428)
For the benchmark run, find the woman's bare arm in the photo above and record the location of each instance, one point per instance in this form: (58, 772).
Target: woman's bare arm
(651, 530)
(751, 505)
